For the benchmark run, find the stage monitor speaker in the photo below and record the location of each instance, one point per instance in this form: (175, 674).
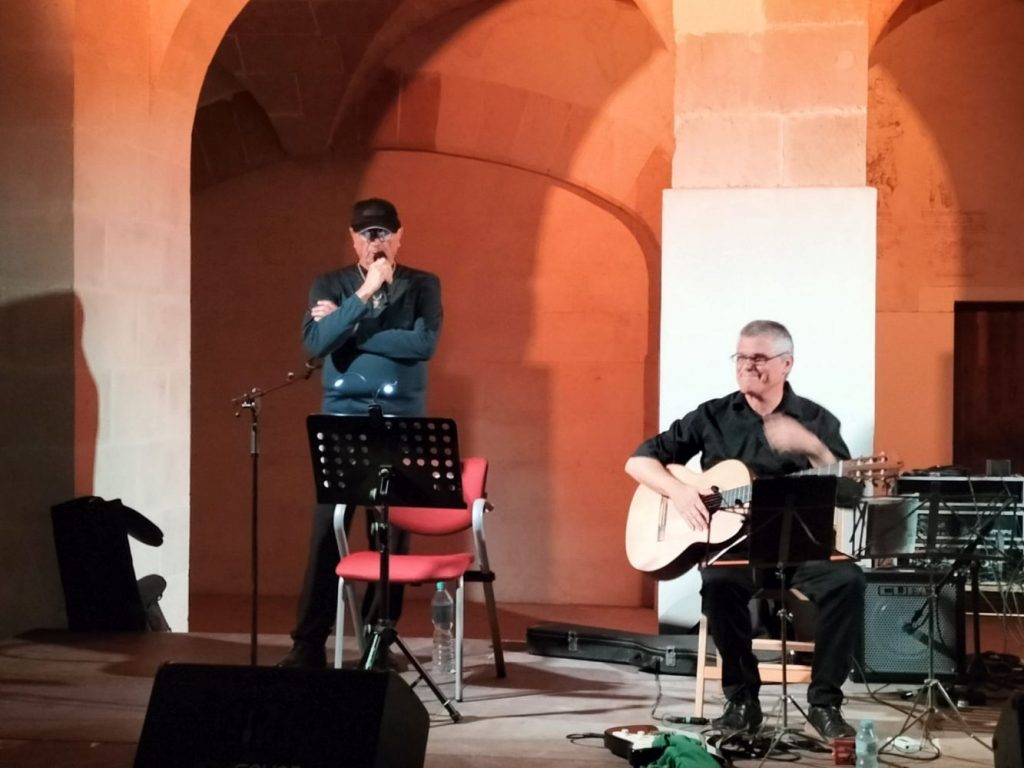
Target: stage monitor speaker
(211, 716)
(1006, 741)
(890, 649)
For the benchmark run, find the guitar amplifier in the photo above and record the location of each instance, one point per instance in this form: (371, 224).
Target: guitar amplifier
(893, 646)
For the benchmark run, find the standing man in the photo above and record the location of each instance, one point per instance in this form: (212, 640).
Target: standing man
(774, 431)
(375, 324)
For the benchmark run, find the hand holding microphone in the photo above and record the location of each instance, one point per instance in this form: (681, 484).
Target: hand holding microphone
(378, 274)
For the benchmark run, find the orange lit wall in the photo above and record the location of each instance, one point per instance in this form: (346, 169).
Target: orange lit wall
(946, 114)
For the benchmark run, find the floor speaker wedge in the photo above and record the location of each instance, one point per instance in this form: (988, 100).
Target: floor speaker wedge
(894, 645)
(212, 716)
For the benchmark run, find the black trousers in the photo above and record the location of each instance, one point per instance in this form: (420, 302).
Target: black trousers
(319, 598)
(836, 588)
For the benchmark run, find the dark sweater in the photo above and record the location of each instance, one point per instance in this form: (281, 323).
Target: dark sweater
(365, 348)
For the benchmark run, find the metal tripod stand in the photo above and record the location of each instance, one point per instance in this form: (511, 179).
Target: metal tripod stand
(932, 692)
(781, 708)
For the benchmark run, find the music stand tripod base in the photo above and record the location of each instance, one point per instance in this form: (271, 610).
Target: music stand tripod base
(376, 461)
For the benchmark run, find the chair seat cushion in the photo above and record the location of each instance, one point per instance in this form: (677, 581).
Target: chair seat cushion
(405, 569)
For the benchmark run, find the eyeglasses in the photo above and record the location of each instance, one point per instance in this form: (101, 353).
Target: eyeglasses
(758, 361)
(376, 233)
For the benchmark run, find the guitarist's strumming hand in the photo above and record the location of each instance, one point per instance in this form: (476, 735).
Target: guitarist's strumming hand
(688, 502)
(787, 435)
(685, 498)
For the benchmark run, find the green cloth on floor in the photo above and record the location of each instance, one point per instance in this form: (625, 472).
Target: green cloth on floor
(682, 751)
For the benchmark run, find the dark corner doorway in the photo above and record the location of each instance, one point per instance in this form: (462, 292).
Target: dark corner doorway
(988, 371)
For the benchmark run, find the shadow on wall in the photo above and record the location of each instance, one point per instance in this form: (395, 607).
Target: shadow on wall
(48, 449)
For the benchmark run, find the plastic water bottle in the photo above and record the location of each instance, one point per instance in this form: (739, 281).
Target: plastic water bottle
(867, 745)
(442, 611)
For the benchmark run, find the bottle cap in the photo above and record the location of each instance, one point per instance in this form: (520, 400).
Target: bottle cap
(440, 586)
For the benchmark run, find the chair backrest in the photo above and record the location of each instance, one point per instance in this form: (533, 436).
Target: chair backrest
(438, 522)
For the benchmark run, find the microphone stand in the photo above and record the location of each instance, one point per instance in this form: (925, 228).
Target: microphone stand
(251, 401)
(932, 693)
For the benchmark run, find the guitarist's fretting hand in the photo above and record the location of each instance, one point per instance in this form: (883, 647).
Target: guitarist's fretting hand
(688, 502)
(787, 435)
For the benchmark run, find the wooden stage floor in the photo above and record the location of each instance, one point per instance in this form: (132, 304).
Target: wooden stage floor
(79, 700)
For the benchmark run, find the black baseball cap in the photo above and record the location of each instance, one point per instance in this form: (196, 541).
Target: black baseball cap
(375, 213)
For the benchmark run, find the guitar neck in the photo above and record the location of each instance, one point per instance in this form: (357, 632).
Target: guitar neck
(741, 495)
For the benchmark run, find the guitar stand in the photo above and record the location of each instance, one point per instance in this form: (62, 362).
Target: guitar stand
(376, 462)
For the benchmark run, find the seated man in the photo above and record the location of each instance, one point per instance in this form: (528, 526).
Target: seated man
(772, 430)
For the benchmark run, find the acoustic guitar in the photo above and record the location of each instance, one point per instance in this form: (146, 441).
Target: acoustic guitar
(658, 539)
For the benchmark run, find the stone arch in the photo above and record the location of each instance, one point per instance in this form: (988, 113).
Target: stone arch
(897, 15)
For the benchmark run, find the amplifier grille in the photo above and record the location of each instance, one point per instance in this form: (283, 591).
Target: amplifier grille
(890, 649)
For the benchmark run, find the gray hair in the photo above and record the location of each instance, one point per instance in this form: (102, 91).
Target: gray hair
(773, 330)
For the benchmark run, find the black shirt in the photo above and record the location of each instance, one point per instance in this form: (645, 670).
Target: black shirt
(728, 428)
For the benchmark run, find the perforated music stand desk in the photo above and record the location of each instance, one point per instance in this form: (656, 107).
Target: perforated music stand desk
(382, 461)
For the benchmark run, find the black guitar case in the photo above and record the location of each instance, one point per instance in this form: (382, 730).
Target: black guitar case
(668, 654)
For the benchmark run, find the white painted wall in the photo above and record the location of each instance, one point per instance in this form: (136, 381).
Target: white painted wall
(803, 257)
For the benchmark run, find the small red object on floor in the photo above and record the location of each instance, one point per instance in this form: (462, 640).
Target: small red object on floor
(843, 752)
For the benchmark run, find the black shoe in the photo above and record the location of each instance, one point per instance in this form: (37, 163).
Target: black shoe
(829, 722)
(741, 714)
(305, 656)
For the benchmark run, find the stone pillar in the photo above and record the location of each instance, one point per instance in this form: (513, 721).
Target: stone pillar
(139, 66)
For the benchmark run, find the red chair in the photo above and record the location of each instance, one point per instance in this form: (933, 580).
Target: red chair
(419, 569)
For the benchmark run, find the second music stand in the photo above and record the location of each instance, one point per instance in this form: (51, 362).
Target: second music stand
(379, 462)
(791, 521)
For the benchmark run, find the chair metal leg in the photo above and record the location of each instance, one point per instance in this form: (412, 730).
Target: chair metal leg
(339, 624)
(357, 619)
(492, 618)
(349, 593)
(460, 604)
(480, 507)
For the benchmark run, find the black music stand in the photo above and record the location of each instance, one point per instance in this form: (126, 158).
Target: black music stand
(378, 462)
(791, 521)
